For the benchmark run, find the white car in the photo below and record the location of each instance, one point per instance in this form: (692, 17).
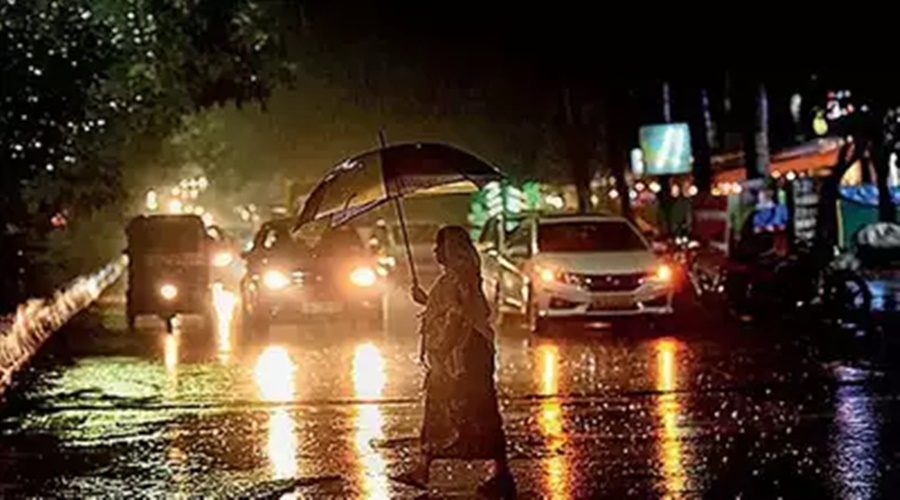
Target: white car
(584, 267)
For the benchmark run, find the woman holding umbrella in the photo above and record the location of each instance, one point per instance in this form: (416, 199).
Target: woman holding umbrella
(462, 417)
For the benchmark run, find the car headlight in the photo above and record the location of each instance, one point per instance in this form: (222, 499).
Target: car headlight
(168, 291)
(223, 259)
(550, 275)
(363, 277)
(275, 280)
(662, 273)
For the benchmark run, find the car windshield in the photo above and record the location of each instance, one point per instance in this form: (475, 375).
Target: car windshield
(340, 241)
(593, 236)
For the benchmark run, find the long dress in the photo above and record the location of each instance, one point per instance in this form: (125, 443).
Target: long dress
(462, 417)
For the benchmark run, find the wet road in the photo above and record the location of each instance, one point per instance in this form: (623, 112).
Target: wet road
(319, 412)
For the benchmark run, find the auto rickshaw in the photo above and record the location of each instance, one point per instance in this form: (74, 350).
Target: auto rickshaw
(168, 268)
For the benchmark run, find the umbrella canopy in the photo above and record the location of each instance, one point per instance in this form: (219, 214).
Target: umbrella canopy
(364, 182)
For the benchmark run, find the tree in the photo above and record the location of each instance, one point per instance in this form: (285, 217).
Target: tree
(90, 88)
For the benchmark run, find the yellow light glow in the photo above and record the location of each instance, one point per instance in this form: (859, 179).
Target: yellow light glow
(275, 280)
(669, 409)
(152, 200)
(557, 481)
(175, 206)
(170, 351)
(274, 377)
(363, 277)
(168, 291)
(369, 376)
(224, 303)
(663, 273)
(281, 447)
(274, 374)
(547, 275)
(369, 379)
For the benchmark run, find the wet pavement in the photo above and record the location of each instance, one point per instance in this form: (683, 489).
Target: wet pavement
(710, 410)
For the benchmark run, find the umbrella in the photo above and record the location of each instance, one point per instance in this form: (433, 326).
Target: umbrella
(364, 182)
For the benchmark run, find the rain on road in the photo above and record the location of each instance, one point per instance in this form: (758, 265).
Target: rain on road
(318, 412)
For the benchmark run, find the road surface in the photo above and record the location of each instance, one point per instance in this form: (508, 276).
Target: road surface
(329, 412)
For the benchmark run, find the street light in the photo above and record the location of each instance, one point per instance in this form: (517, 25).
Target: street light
(152, 200)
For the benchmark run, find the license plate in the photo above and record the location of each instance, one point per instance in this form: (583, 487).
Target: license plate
(604, 303)
(322, 307)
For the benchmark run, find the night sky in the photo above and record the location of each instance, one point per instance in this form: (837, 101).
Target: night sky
(489, 79)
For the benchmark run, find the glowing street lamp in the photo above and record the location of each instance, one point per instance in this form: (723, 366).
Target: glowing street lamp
(152, 200)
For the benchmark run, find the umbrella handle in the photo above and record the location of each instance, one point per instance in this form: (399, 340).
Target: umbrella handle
(409, 255)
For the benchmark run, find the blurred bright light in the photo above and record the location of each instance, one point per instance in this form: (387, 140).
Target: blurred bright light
(363, 276)
(275, 280)
(152, 200)
(556, 201)
(274, 375)
(663, 273)
(175, 206)
(208, 219)
(223, 259)
(224, 303)
(274, 378)
(369, 376)
(168, 291)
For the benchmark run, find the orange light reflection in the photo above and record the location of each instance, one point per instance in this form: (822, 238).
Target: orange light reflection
(170, 351)
(369, 379)
(550, 420)
(274, 377)
(668, 408)
(224, 303)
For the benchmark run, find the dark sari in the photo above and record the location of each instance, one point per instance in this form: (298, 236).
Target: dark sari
(462, 418)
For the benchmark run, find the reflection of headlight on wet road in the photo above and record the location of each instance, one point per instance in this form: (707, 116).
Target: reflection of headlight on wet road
(275, 280)
(168, 291)
(363, 276)
(223, 259)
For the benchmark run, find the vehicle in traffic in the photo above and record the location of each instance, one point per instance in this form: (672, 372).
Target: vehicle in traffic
(227, 267)
(289, 279)
(585, 267)
(168, 267)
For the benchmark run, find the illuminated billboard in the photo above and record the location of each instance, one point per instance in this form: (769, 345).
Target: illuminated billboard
(666, 149)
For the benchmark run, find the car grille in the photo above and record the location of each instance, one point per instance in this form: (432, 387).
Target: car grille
(608, 282)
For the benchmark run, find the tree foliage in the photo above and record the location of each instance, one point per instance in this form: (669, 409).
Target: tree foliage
(91, 87)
